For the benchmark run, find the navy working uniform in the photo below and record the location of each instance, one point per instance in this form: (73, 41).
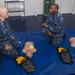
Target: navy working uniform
(55, 25)
(5, 38)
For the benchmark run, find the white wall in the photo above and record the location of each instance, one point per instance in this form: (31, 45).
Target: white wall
(35, 7)
(66, 6)
(73, 10)
(60, 4)
(32, 7)
(1, 2)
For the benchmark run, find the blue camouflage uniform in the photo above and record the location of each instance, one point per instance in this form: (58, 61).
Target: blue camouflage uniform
(5, 39)
(55, 25)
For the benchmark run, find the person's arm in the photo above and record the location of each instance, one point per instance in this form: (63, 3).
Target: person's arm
(3, 39)
(45, 24)
(56, 27)
(5, 47)
(1, 47)
(8, 28)
(47, 19)
(1, 36)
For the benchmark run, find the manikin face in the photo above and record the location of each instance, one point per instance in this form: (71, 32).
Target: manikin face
(29, 53)
(53, 10)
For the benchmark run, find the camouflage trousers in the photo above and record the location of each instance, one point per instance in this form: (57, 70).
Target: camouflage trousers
(56, 38)
(12, 52)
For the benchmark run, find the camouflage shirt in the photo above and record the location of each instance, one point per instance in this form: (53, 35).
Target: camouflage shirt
(4, 34)
(55, 23)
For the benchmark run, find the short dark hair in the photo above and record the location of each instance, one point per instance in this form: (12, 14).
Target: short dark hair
(55, 4)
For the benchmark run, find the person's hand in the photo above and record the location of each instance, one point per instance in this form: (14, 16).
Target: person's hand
(49, 33)
(11, 36)
(8, 47)
(45, 24)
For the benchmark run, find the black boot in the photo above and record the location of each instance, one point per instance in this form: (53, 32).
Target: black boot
(64, 36)
(51, 39)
